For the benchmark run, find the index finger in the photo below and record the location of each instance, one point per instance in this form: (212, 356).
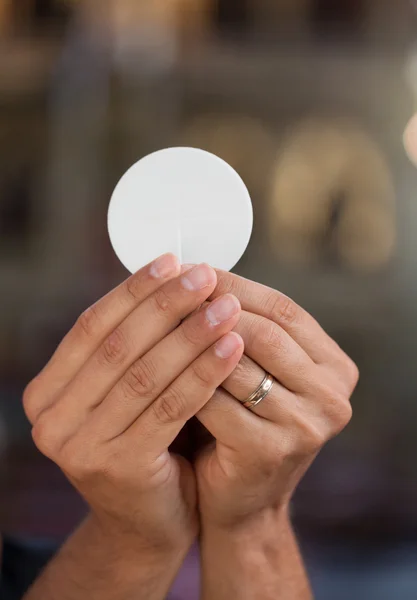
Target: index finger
(99, 320)
(279, 308)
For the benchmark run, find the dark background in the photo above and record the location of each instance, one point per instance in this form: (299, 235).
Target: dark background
(309, 100)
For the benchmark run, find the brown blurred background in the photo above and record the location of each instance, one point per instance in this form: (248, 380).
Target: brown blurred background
(308, 100)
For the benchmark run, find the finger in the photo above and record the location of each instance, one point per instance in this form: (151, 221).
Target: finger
(94, 325)
(233, 425)
(150, 322)
(149, 376)
(323, 413)
(283, 311)
(276, 352)
(257, 441)
(277, 406)
(160, 424)
(186, 267)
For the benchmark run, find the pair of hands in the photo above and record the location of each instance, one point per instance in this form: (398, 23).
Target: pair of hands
(153, 353)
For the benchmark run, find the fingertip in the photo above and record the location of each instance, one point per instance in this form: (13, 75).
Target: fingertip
(223, 309)
(165, 266)
(237, 302)
(199, 277)
(229, 345)
(213, 273)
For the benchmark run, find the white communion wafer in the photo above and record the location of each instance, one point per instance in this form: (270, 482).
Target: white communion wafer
(181, 200)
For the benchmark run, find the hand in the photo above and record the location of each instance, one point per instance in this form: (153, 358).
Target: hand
(260, 455)
(120, 387)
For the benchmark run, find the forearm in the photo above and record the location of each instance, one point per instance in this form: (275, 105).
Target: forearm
(261, 560)
(93, 565)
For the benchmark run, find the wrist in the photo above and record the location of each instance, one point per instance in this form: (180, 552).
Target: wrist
(254, 525)
(255, 558)
(130, 545)
(107, 562)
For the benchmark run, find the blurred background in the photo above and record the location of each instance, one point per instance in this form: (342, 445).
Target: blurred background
(308, 100)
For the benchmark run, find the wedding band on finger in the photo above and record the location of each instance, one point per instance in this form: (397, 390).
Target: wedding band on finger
(260, 393)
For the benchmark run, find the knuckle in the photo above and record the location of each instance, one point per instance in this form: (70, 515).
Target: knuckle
(89, 321)
(163, 303)
(30, 399)
(139, 380)
(336, 405)
(346, 369)
(312, 437)
(134, 287)
(328, 395)
(342, 417)
(170, 407)
(190, 333)
(246, 327)
(353, 372)
(268, 333)
(114, 349)
(81, 460)
(44, 435)
(283, 309)
(268, 339)
(202, 374)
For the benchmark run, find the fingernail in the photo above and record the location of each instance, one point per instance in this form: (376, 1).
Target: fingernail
(164, 266)
(198, 278)
(228, 345)
(222, 309)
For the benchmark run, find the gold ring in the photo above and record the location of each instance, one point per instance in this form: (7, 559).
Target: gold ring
(260, 393)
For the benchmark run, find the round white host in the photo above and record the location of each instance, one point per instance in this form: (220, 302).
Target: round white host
(181, 200)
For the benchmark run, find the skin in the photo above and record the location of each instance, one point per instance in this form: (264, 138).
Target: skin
(261, 454)
(110, 403)
(247, 477)
(106, 409)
